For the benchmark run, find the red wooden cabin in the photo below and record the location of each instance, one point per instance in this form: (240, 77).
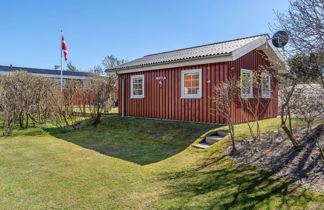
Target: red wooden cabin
(177, 85)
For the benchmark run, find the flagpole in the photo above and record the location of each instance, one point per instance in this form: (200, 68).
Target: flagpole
(61, 64)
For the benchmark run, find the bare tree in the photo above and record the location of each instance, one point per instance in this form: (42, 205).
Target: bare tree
(302, 70)
(111, 61)
(288, 86)
(71, 67)
(97, 70)
(224, 96)
(105, 90)
(304, 22)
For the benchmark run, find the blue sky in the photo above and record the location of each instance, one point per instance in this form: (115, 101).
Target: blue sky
(30, 30)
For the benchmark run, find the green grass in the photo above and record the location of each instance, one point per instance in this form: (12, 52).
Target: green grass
(138, 141)
(135, 163)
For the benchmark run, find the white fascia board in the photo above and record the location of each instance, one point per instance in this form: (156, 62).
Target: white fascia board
(201, 61)
(276, 51)
(248, 47)
(51, 75)
(262, 43)
(273, 53)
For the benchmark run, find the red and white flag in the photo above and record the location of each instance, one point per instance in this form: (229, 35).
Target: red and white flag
(64, 48)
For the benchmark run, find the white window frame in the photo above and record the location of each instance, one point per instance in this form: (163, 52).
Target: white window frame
(199, 94)
(269, 81)
(250, 72)
(143, 86)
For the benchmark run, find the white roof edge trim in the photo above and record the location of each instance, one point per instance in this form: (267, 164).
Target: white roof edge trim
(254, 45)
(178, 64)
(248, 47)
(54, 76)
(276, 51)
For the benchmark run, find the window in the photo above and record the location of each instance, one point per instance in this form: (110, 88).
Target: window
(137, 86)
(86, 84)
(246, 83)
(265, 85)
(58, 82)
(191, 83)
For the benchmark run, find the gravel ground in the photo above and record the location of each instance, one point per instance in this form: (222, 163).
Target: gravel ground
(274, 152)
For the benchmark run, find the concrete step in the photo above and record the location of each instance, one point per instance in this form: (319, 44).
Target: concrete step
(201, 145)
(222, 133)
(213, 139)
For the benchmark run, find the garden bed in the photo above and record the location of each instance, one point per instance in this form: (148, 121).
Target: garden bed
(274, 152)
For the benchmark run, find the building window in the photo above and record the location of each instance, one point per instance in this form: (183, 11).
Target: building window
(191, 83)
(246, 83)
(58, 82)
(137, 86)
(265, 85)
(86, 84)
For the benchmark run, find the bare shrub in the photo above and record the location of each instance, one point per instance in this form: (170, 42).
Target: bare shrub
(224, 95)
(257, 105)
(105, 93)
(66, 102)
(308, 104)
(25, 97)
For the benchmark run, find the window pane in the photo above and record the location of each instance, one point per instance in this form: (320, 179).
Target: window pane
(194, 90)
(137, 86)
(191, 80)
(191, 83)
(195, 83)
(137, 91)
(138, 80)
(246, 79)
(187, 77)
(186, 90)
(195, 76)
(187, 83)
(266, 85)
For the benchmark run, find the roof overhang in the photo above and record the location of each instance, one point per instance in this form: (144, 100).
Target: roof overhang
(274, 56)
(191, 62)
(263, 43)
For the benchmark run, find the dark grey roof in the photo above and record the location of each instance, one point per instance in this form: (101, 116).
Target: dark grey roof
(197, 52)
(43, 71)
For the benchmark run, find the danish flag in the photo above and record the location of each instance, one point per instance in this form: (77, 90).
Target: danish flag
(64, 48)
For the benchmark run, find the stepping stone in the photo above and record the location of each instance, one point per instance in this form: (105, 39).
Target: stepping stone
(201, 145)
(213, 139)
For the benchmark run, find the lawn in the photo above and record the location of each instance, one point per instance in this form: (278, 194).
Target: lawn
(136, 163)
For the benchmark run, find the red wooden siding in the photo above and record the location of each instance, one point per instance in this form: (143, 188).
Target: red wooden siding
(269, 108)
(165, 102)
